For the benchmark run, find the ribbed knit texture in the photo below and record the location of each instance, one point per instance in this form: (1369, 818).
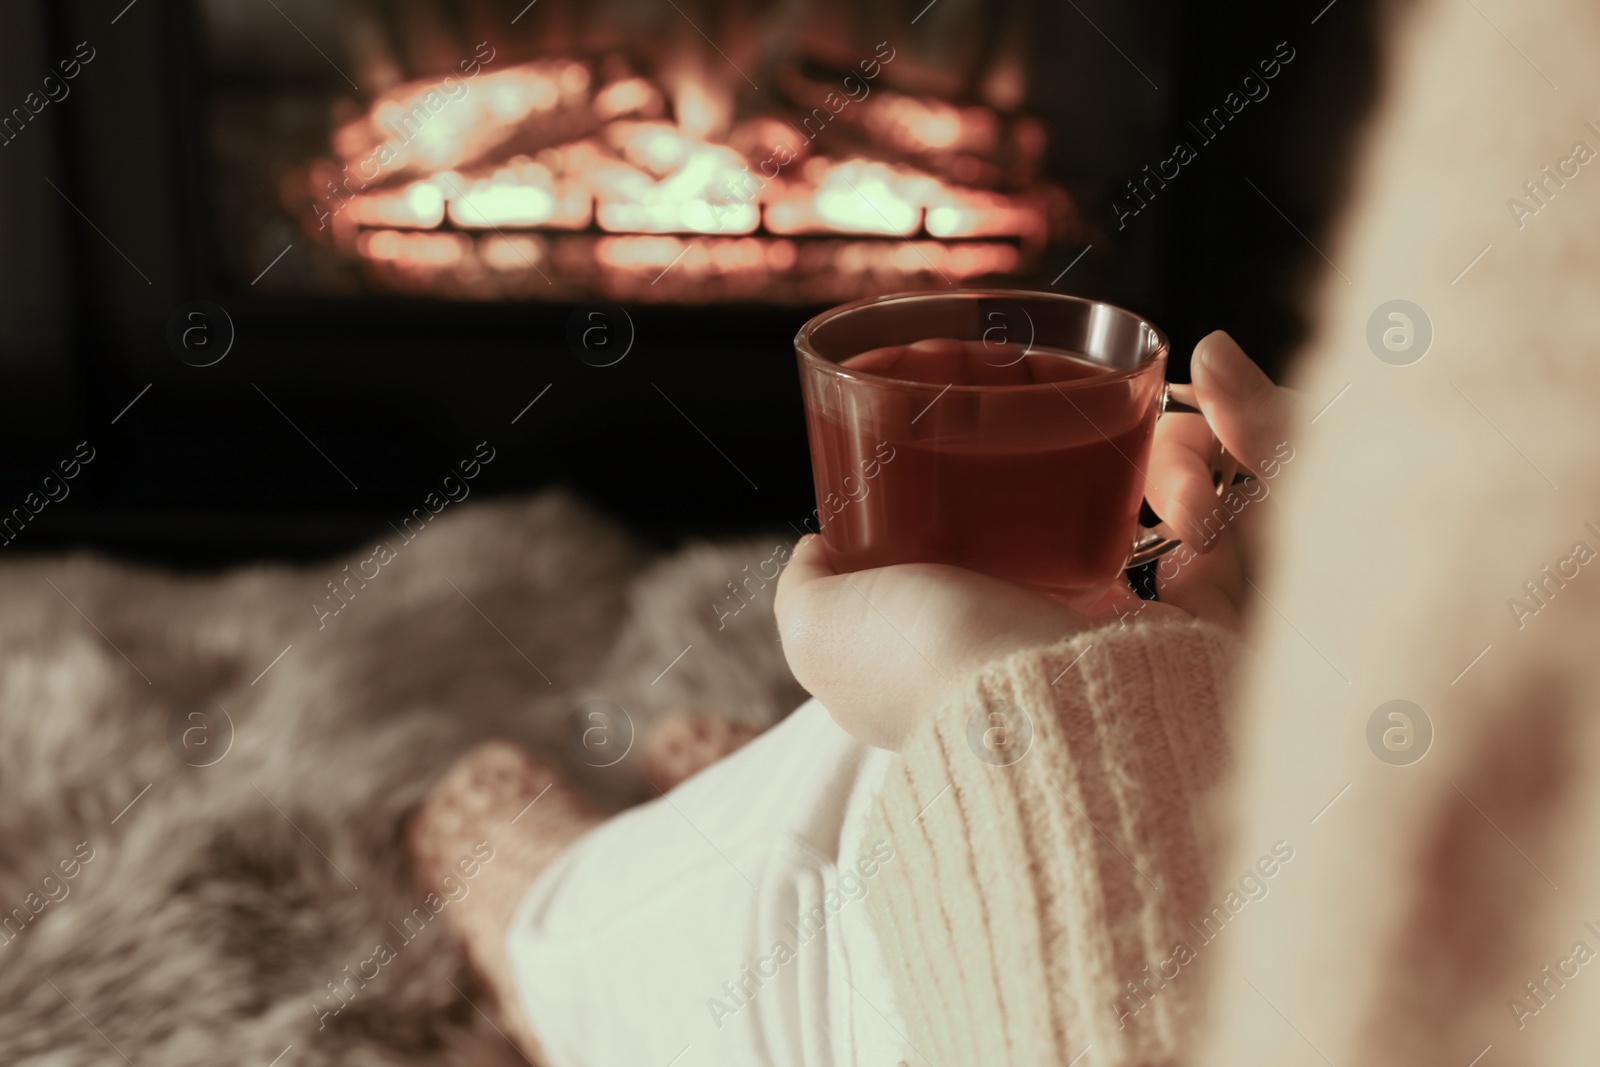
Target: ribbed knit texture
(1024, 897)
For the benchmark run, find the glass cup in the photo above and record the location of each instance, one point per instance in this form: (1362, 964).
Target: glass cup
(1006, 432)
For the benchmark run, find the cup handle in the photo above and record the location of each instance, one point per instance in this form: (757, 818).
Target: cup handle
(1150, 546)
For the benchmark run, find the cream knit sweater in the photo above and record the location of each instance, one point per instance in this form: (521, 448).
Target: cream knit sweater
(1025, 899)
(1436, 543)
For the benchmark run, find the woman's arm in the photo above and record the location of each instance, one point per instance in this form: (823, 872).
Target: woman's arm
(1052, 835)
(1051, 805)
(1421, 922)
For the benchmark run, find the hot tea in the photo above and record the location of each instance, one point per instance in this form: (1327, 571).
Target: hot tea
(1025, 464)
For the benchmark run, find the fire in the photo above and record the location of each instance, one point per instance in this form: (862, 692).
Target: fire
(546, 179)
(702, 113)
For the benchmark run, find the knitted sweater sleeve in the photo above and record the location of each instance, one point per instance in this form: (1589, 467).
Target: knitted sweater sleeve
(1050, 836)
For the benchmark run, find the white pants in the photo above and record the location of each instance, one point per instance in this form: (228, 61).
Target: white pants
(722, 923)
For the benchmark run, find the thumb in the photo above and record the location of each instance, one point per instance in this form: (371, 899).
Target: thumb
(807, 563)
(1247, 412)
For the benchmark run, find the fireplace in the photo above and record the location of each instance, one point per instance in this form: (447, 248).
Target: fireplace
(625, 154)
(403, 207)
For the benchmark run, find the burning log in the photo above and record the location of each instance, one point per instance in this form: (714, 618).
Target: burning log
(558, 177)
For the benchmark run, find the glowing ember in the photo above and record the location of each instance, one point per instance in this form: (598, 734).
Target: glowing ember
(701, 112)
(419, 205)
(630, 96)
(922, 125)
(540, 180)
(424, 127)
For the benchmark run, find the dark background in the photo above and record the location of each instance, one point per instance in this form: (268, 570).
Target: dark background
(217, 465)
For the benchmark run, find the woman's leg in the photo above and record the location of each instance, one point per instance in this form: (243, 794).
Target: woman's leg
(704, 925)
(503, 814)
(489, 797)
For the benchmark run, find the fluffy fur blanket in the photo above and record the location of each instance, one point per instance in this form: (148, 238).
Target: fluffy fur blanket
(205, 780)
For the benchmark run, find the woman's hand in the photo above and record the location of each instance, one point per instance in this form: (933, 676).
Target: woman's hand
(883, 647)
(1223, 546)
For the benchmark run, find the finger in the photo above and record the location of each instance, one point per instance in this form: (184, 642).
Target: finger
(1208, 586)
(819, 624)
(877, 360)
(932, 361)
(1248, 413)
(1179, 486)
(991, 362)
(808, 562)
(1119, 600)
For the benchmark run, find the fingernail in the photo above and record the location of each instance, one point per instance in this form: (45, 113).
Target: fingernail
(1236, 375)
